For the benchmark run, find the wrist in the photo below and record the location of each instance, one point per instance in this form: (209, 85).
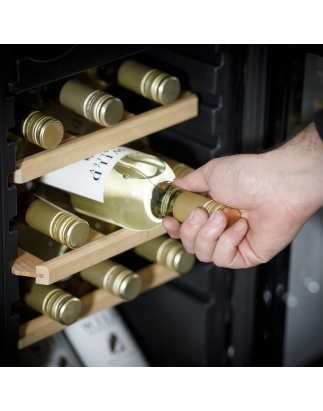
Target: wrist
(298, 170)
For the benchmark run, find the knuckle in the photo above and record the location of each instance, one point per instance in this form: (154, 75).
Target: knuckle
(206, 236)
(226, 240)
(186, 233)
(217, 261)
(202, 258)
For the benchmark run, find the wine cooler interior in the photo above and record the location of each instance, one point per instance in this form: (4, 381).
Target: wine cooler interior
(180, 312)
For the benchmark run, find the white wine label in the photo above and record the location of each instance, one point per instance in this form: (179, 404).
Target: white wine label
(54, 351)
(87, 177)
(104, 340)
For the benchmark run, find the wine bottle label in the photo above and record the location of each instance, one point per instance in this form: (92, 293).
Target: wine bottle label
(104, 340)
(54, 351)
(87, 177)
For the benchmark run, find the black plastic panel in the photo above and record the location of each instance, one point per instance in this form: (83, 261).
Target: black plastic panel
(34, 68)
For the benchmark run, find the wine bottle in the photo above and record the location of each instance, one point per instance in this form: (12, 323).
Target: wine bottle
(104, 340)
(95, 105)
(139, 78)
(62, 226)
(53, 302)
(37, 128)
(179, 169)
(114, 278)
(53, 351)
(37, 243)
(168, 252)
(129, 189)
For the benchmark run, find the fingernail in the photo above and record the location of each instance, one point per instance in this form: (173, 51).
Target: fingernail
(197, 217)
(239, 225)
(216, 219)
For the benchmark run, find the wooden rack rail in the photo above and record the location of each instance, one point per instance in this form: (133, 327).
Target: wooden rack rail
(42, 327)
(99, 247)
(130, 129)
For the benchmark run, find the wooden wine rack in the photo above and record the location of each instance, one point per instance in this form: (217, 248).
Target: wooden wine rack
(42, 327)
(131, 128)
(99, 247)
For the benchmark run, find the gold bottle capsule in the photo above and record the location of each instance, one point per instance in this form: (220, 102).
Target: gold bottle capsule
(42, 130)
(54, 303)
(62, 226)
(96, 105)
(168, 252)
(114, 278)
(148, 82)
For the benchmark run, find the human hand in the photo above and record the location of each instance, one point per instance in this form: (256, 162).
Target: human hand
(276, 193)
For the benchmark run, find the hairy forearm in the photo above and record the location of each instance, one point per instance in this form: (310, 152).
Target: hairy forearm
(298, 167)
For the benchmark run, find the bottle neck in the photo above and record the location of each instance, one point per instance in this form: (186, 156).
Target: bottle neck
(164, 198)
(169, 200)
(54, 195)
(50, 92)
(24, 201)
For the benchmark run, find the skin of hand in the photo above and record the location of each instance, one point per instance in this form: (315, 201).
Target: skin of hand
(276, 193)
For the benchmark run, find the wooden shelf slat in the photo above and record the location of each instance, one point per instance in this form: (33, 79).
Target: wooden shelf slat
(98, 248)
(134, 127)
(42, 327)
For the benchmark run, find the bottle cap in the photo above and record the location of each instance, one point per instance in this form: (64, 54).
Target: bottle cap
(130, 287)
(103, 108)
(172, 254)
(160, 87)
(168, 252)
(114, 278)
(122, 282)
(62, 306)
(68, 229)
(42, 130)
(150, 83)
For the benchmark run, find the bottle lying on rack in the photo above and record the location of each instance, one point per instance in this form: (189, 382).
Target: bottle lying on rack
(95, 105)
(108, 275)
(168, 252)
(53, 302)
(114, 278)
(129, 189)
(37, 128)
(179, 169)
(137, 77)
(62, 226)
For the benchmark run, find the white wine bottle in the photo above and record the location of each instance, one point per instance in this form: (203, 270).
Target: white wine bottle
(129, 189)
(168, 252)
(53, 302)
(137, 77)
(62, 226)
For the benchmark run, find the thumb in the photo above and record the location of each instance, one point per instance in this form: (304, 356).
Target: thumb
(194, 181)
